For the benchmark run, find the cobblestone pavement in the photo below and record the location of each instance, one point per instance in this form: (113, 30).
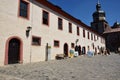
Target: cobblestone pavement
(80, 68)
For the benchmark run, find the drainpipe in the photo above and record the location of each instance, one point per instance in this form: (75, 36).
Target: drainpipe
(31, 31)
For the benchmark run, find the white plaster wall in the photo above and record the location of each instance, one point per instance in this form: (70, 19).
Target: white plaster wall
(12, 25)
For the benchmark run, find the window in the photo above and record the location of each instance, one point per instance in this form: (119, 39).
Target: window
(97, 38)
(36, 40)
(83, 50)
(78, 32)
(88, 48)
(101, 40)
(70, 28)
(72, 45)
(60, 24)
(24, 8)
(91, 36)
(45, 18)
(83, 33)
(56, 43)
(98, 47)
(94, 38)
(88, 35)
(93, 46)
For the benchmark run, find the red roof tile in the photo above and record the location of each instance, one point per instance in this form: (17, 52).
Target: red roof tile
(113, 30)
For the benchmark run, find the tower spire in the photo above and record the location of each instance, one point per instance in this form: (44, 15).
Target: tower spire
(98, 2)
(98, 6)
(99, 22)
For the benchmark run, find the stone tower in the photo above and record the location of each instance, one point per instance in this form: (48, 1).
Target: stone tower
(99, 23)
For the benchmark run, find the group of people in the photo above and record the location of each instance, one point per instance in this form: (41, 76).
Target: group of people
(78, 51)
(104, 51)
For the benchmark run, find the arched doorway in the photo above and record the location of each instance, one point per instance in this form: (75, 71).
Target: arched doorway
(95, 51)
(13, 52)
(79, 48)
(66, 49)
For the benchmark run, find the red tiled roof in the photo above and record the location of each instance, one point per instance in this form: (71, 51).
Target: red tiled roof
(112, 30)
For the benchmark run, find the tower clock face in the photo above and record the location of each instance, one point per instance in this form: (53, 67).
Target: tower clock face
(101, 18)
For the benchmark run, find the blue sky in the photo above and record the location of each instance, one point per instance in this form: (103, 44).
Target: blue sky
(83, 9)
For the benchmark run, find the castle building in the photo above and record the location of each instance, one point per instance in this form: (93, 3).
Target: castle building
(37, 30)
(111, 34)
(112, 38)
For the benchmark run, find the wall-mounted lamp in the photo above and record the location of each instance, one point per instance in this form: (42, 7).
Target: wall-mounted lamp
(28, 31)
(76, 41)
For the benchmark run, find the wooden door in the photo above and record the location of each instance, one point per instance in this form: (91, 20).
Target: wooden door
(14, 51)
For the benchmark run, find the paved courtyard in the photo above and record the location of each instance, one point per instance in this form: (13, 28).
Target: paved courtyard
(80, 68)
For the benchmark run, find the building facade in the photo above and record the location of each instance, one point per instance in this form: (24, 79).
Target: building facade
(37, 30)
(112, 38)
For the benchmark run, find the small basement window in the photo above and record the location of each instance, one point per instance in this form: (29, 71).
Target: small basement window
(56, 43)
(72, 45)
(36, 41)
